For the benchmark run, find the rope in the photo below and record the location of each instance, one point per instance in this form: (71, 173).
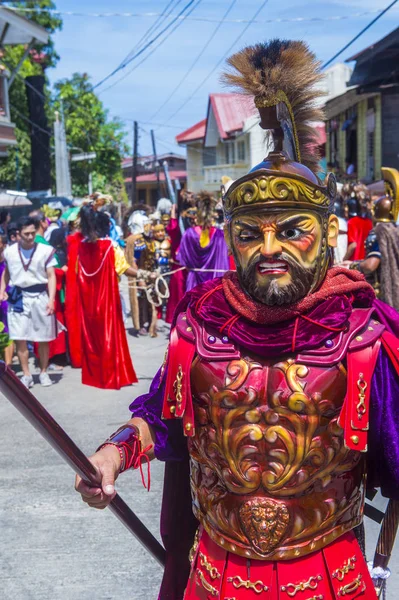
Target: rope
(101, 264)
(154, 294)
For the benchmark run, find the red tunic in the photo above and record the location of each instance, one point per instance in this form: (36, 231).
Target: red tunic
(72, 310)
(106, 361)
(177, 283)
(358, 230)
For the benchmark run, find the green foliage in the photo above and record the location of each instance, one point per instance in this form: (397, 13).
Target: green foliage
(4, 340)
(43, 55)
(88, 129)
(49, 21)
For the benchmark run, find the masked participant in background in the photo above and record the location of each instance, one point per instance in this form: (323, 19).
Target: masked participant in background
(203, 246)
(381, 265)
(106, 361)
(177, 281)
(277, 380)
(359, 223)
(140, 247)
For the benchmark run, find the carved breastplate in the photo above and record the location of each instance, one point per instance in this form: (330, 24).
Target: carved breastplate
(271, 477)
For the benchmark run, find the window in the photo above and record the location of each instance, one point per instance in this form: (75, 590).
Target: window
(209, 156)
(227, 154)
(241, 151)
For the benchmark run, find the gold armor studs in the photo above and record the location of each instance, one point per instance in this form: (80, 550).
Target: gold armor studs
(213, 572)
(349, 565)
(311, 584)
(257, 586)
(362, 386)
(207, 586)
(352, 587)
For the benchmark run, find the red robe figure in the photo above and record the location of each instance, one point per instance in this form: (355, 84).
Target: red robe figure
(359, 223)
(72, 308)
(106, 361)
(177, 282)
(280, 390)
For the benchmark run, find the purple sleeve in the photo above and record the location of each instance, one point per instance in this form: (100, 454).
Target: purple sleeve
(383, 453)
(170, 444)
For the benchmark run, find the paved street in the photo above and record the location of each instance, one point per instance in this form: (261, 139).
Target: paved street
(53, 547)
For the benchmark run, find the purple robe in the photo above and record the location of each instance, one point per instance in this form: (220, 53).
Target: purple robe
(213, 257)
(178, 524)
(4, 304)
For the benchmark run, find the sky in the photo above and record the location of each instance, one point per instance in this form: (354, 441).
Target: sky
(97, 45)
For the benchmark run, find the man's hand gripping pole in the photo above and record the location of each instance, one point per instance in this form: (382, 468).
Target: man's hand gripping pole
(24, 401)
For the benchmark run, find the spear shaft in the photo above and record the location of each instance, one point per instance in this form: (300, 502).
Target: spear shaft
(26, 403)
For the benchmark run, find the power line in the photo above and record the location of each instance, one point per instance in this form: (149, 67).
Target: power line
(257, 12)
(137, 54)
(171, 5)
(152, 51)
(359, 34)
(209, 40)
(107, 15)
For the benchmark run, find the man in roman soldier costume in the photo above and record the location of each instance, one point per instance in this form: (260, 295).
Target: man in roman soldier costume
(203, 250)
(381, 265)
(140, 248)
(279, 392)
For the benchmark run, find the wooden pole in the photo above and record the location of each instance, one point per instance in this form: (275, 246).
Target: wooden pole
(134, 165)
(14, 390)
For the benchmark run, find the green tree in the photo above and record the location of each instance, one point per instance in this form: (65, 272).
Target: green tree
(89, 129)
(40, 57)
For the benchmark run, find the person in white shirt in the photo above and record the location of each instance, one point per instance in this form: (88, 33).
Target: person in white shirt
(30, 270)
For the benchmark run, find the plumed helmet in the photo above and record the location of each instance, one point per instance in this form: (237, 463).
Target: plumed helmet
(282, 77)
(386, 208)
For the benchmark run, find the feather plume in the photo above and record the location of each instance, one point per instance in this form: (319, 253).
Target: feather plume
(289, 66)
(206, 206)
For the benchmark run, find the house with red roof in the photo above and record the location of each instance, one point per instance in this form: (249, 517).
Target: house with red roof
(227, 143)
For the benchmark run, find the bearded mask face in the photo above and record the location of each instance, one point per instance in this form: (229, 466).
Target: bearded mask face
(277, 254)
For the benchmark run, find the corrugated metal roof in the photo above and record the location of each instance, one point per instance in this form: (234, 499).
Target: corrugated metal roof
(231, 111)
(152, 177)
(194, 133)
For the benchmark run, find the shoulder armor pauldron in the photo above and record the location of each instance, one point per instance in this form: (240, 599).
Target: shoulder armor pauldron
(210, 344)
(362, 331)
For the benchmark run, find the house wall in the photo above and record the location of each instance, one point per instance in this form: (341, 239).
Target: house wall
(362, 139)
(195, 170)
(390, 129)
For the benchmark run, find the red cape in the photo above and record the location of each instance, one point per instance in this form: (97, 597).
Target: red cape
(106, 361)
(72, 311)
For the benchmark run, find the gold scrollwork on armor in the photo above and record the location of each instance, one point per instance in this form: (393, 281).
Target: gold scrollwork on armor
(272, 444)
(213, 572)
(348, 565)
(194, 548)
(271, 187)
(362, 386)
(352, 587)
(311, 584)
(177, 386)
(318, 597)
(257, 586)
(207, 586)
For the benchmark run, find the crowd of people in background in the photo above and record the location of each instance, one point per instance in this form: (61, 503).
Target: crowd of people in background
(60, 274)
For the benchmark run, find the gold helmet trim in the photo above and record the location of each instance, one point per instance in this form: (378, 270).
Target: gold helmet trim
(275, 189)
(391, 181)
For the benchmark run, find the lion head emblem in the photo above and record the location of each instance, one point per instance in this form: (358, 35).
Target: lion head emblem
(264, 523)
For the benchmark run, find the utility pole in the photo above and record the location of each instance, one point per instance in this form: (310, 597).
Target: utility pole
(134, 165)
(156, 163)
(169, 184)
(63, 175)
